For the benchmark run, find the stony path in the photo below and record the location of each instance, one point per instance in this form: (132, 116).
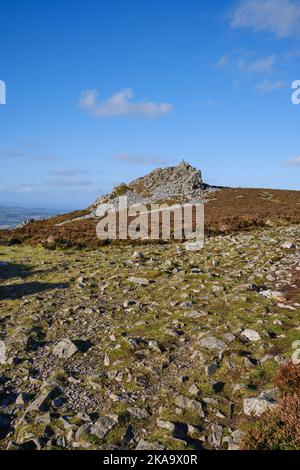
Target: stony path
(158, 348)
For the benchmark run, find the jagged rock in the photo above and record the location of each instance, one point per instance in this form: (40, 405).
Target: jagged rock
(251, 335)
(138, 413)
(212, 343)
(100, 428)
(264, 402)
(233, 440)
(186, 403)
(42, 401)
(165, 425)
(216, 435)
(65, 349)
(181, 183)
(229, 337)
(2, 353)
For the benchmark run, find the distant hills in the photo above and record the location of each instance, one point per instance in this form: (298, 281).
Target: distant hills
(12, 216)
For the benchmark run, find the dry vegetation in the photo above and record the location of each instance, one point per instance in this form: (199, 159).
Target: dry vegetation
(227, 210)
(279, 429)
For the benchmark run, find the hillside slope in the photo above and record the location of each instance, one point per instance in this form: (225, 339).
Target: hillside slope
(226, 210)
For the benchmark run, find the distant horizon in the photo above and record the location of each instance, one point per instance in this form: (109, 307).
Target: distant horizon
(35, 205)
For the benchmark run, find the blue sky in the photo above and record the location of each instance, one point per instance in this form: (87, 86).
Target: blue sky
(100, 92)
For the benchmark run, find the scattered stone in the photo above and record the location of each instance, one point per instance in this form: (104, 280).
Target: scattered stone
(186, 403)
(138, 280)
(106, 360)
(216, 435)
(145, 445)
(100, 428)
(2, 353)
(274, 295)
(213, 343)
(152, 344)
(251, 335)
(287, 246)
(80, 282)
(195, 314)
(194, 390)
(138, 413)
(137, 255)
(41, 403)
(65, 349)
(281, 360)
(194, 246)
(165, 425)
(229, 337)
(266, 401)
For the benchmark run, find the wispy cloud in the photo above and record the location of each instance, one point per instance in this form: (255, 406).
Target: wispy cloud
(121, 104)
(246, 65)
(142, 159)
(263, 65)
(49, 158)
(294, 161)
(58, 184)
(267, 86)
(67, 183)
(11, 154)
(245, 62)
(29, 151)
(68, 178)
(66, 173)
(279, 17)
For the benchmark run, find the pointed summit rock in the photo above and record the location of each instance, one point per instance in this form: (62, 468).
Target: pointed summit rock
(177, 184)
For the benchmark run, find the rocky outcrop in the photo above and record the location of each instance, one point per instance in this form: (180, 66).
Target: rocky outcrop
(182, 183)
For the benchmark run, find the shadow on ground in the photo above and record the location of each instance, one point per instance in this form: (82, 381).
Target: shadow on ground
(12, 270)
(17, 291)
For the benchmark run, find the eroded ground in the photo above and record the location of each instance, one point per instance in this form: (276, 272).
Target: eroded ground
(103, 349)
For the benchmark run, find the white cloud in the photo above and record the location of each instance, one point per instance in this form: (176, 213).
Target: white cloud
(294, 161)
(279, 17)
(121, 104)
(142, 159)
(268, 86)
